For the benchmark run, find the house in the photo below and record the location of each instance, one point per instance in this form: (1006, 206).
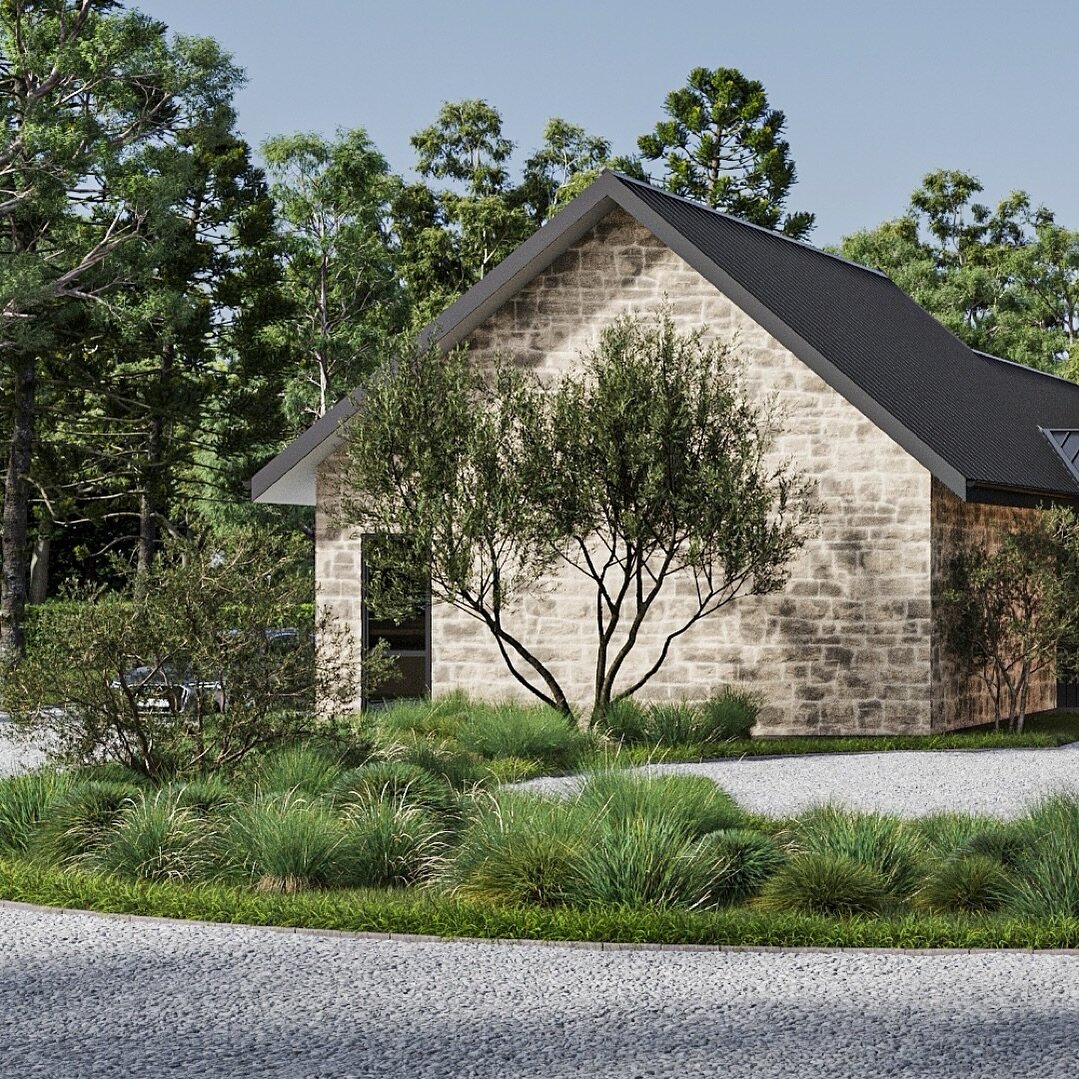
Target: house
(915, 444)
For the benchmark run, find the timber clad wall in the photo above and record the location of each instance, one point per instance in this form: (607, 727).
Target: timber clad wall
(959, 701)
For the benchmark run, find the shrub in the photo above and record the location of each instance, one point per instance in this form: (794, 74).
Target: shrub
(884, 844)
(943, 834)
(397, 782)
(520, 849)
(284, 843)
(643, 862)
(24, 800)
(510, 770)
(440, 719)
(974, 884)
(310, 770)
(155, 839)
(626, 721)
(79, 819)
(1047, 865)
(742, 861)
(671, 724)
(390, 844)
(823, 882)
(513, 730)
(693, 803)
(1003, 841)
(731, 714)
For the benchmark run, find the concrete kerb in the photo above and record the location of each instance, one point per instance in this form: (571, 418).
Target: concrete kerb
(586, 945)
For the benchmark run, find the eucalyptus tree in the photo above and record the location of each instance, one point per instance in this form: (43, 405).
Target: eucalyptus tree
(722, 144)
(649, 466)
(86, 90)
(340, 280)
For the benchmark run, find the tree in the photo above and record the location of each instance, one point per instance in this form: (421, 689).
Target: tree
(340, 279)
(723, 145)
(181, 675)
(451, 237)
(1004, 279)
(1007, 612)
(84, 91)
(647, 467)
(567, 162)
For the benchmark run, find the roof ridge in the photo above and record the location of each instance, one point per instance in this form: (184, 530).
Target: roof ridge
(1024, 366)
(624, 178)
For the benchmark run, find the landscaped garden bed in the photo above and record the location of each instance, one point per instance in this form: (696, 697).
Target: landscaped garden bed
(409, 829)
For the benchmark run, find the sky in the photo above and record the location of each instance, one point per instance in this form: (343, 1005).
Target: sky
(875, 94)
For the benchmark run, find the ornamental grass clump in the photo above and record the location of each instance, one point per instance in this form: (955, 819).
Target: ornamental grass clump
(283, 843)
(443, 759)
(692, 803)
(520, 849)
(743, 860)
(154, 839)
(79, 819)
(208, 796)
(823, 882)
(24, 801)
(730, 714)
(972, 884)
(1047, 864)
(641, 862)
(309, 770)
(398, 782)
(533, 732)
(890, 847)
(391, 845)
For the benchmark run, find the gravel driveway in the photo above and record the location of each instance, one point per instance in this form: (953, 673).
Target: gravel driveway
(82, 995)
(1001, 782)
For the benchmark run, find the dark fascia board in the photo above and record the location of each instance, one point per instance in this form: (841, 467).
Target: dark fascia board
(1018, 496)
(289, 478)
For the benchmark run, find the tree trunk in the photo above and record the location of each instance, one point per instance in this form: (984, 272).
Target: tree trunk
(39, 565)
(152, 499)
(15, 576)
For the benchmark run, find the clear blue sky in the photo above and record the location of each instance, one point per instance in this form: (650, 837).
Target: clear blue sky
(876, 94)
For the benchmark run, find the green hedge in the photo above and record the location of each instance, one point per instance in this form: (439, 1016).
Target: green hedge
(398, 912)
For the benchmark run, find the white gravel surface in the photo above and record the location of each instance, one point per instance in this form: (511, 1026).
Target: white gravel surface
(15, 755)
(1002, 782)
(82, 995)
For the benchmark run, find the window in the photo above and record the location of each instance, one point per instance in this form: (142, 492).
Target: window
(397, 611)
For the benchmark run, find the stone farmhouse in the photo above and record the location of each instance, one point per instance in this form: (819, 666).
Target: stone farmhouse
(914, 442)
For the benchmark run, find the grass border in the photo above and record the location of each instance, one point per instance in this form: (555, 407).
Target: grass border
(429, 916)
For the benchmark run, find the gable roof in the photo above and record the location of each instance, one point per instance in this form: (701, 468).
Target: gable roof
(976, 422)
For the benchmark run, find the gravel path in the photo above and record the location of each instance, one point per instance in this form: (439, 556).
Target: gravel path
(1002, 782)
(16, 756)
(87, 996)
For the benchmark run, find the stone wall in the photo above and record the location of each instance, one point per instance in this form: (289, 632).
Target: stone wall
(846, 646)
(960, 700)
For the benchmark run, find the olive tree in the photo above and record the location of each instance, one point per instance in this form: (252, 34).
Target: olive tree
(1009, 612)
(650, 464)
(210, 658)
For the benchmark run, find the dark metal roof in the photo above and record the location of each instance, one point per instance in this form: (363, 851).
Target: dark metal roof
(1066, 443)
(974, 421)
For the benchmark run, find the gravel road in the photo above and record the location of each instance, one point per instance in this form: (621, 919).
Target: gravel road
(1001, 782)
(16, 756)
(82, 995)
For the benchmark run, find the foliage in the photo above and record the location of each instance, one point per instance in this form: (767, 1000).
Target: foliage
(825, 882)
(340, 282)
(693, 804)
(89, 685)
(400, 783)
(304, 769)
(1004, 279)
(538, 733)
(392, 844)
(729, 715)
(1007, 611)
(885, 844)
(1047, 862)
(24, 802)
(722, 144)
(648, 466)
(743, 860)
(79, 819)
(154, 839)
(974, 883)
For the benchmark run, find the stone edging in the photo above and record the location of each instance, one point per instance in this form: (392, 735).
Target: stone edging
(585, 945)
